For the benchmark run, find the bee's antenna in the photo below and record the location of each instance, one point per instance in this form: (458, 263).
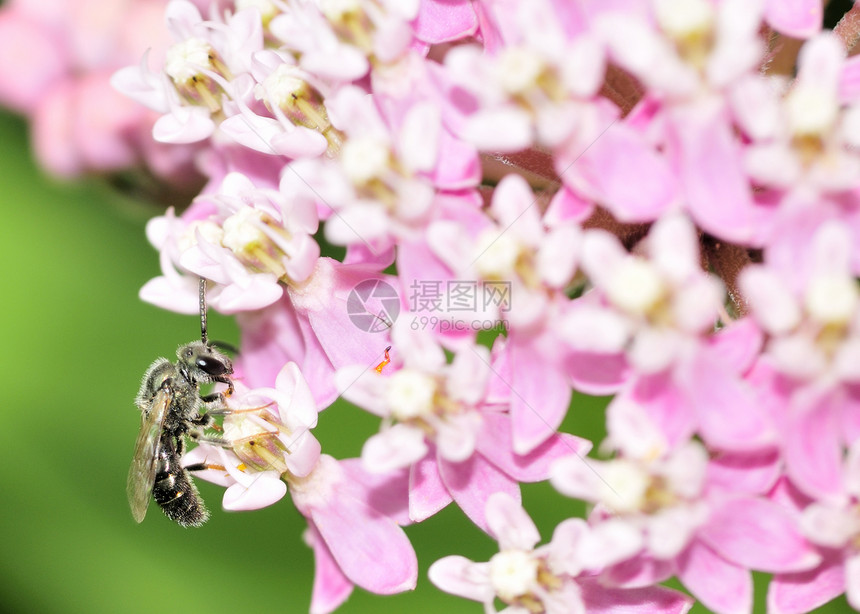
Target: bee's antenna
(203, 332)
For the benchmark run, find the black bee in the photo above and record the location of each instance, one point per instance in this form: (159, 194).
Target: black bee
(170, 404)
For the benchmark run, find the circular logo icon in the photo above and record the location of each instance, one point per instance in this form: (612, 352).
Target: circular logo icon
(373, 305)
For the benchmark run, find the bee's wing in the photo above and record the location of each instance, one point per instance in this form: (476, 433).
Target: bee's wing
(141, 474)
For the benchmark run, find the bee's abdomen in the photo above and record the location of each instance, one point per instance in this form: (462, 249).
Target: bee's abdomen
(177, 496)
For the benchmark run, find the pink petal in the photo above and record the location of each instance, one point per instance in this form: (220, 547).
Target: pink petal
(510, 524)
(495, 443)
(610, 542)
(633, 432)
(727, 410)
(745, 472)
(600, 599)
(812, 446)
(596, 374)
(566, 206)
(389, 494)
(720, 586)
(266, 489)
(468, 375)
(183, 125)
(304, 452)
(344, 341)
(460, 576)
(370, 549)
(458, 165)
(331, 588)
(639, 571)
(427, 493)
(849, 82)
(472, 482)
(716, 188)
(500, 129)
(758, 534)
(439, 21)
(515, 209)
(298, 143)
(665, 404)
(636, 187)
(798, 593)
(794, 18)
(738, 344)
(394, 448)
(540, 396)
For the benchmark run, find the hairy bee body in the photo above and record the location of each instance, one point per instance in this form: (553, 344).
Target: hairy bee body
(170, 404)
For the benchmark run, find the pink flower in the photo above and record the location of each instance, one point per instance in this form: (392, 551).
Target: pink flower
(442, 425)
(353, 515)
(812, 314)
(520, 267)
(248, 241)
(551, 578)
(64, 56)
(350, 516)
(536, 90)
(659, 312)
(269, 434)
(664, 510)
(203, 72)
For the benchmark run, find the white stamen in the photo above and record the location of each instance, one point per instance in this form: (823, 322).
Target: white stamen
(364, 159)
(336, 10)
(185, 60)
(684, 18)
(832, 299)
(513, 573)
(267, 8)
(623, 486)
(241, 231)
(209, 231)
(281, 85)
(496, 254)
(636, 286)
(410, 394)
(811, 111)
(518, 69)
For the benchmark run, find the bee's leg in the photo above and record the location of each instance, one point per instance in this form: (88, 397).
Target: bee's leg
(202, 420)
(213, 401)
(212, 440)
(203, 467)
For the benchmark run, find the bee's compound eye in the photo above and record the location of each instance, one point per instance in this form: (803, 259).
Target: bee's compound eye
(212, 366)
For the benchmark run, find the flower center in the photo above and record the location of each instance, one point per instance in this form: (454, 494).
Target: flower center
(189, 63)
(690, 24)
(497, 255)
(365, 159)
(410, 394)
(637, 288)
(624, 486)
(251, 234)
(513, 574)
(832, 300)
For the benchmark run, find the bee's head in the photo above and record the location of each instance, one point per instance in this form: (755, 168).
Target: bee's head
(204, 362)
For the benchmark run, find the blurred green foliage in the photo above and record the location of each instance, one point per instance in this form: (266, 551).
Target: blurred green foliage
(77, 341)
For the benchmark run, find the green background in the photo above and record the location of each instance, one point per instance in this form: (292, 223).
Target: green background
(76, 341)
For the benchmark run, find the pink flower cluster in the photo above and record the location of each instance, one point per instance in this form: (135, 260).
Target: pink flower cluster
(653, 199)
(58, 59)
